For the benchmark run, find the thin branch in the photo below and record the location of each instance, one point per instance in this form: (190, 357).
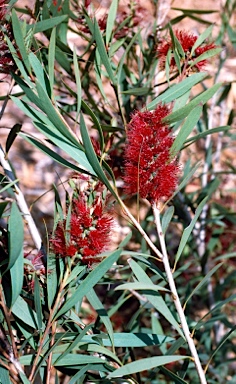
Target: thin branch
(6, 99)
(175, 297)
(141, 230)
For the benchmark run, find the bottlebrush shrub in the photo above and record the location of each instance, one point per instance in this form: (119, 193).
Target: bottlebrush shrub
(86, 230)
(150, 169)
(187, 41)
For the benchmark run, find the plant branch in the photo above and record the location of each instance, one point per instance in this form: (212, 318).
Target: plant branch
(175, 296)
(141, 231)
(49, 325)
(9, 351)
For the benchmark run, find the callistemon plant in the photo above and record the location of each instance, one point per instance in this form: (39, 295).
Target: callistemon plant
(85, 232)
(150, 168)
(184, 42)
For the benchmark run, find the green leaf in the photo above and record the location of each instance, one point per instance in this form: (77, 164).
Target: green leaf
(37, 302)
(177, 90)
(60, 141)
(4, 376)
(56, 137)
(51, 58)
(203, 281)
(15, 236)
(197, 11)
(80, 373)
(224, 339)
(12, 136)
(201, 99)
(96, 123)
(67, 361)
(102, 52)
(52, 279)
(122, 60)
(17, 60)
(43, 102)
(44, 25)
(155, 299)
(54, 155)
(176, 379)
(111, 20)
(144, 364)
(102, 313)
(201, 135)
(188, 230)
(206, 55)
(23, 378)
(92, 158)
(74, 343)
(166, 219)
(186, 129)
(24, 312)
(78, 82)
(136, 286)
(201, 39)
(138, 91)
(19, 38)
(40, 74)
(89, 282)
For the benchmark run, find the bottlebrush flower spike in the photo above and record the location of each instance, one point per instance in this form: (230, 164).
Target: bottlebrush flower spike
(187, 40)
(89, 229)
(150, 169)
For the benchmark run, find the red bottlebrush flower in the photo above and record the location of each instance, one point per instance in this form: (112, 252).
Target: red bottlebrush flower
(88, 233)
(87, 3)
(150, 169)
(187, 40)
(37, 267)
(3, 9)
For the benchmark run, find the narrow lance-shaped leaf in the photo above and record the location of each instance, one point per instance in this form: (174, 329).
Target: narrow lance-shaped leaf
(15, 235)
(186, 129)
(201, 38)
(187, 232)
(19, 38)
(51, 58)
(203, 281)
(12, 136)
(198, 100)
(155, 299)
(206, 55)
(89, 282)
(91, 155)
(144, 364)
(166, 219)
(102, 313)
(111, 20)
(177, 90)
(78, 82)
(102, 51)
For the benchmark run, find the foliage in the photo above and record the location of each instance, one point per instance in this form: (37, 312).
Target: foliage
(84, 99)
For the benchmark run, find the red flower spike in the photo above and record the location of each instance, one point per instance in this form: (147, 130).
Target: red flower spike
(89, 231)
(187, 40)
(150, 170)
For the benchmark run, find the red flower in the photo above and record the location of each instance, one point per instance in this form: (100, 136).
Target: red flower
(150, 170)
(187, 41)
(88, 232)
